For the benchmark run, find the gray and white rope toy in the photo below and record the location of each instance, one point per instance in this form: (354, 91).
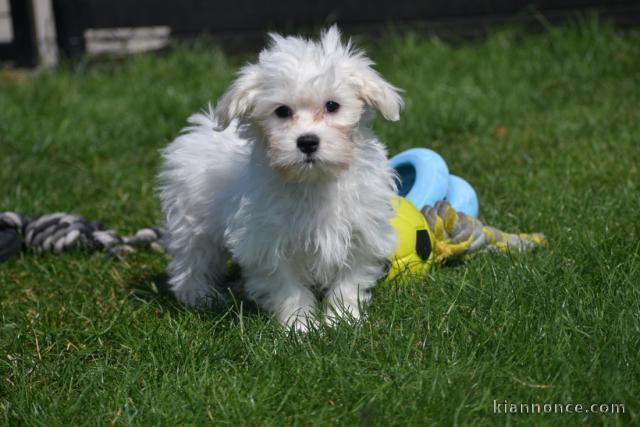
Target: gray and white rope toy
(58, 232)
(455, 235)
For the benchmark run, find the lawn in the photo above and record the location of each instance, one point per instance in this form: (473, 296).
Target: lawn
(545, 126)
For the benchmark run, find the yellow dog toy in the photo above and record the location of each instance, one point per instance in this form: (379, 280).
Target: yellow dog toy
(441, 233)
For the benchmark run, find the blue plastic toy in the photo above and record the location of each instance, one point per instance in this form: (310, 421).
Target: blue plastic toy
(425, 179)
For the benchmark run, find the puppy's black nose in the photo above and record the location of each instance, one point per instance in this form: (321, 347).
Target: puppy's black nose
(308, 143)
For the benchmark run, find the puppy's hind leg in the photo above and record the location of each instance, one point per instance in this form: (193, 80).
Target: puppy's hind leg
(196, 269)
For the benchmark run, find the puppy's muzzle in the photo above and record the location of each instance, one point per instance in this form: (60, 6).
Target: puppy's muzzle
(308, 143)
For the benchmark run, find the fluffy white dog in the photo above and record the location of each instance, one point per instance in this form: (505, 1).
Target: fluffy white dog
(285, 177)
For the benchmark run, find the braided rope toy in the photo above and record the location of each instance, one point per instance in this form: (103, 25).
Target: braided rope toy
(457, 234)
(439, 233)
(435, 221)
(58, 232)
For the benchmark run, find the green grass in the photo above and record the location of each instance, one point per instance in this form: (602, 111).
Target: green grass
(87, 339)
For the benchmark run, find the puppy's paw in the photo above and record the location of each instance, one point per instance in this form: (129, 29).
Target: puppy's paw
(301, 325)
(337, 311)
(301, 321)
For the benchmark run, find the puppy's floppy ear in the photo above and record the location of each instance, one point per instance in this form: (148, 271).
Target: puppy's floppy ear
(376, 91)
(239, 98)
(372, 88)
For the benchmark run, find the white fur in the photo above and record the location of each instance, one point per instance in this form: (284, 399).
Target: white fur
(235, 184)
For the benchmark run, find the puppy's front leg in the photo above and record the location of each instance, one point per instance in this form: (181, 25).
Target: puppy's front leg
(282, 293)
(351, 291)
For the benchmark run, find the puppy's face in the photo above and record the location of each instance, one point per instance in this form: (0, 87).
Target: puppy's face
(308, 98)
(308, 129)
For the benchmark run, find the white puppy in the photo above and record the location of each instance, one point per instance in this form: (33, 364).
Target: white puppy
(287, 179)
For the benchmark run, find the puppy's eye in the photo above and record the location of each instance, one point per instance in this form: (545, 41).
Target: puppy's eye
(283, 112)
(331, 106)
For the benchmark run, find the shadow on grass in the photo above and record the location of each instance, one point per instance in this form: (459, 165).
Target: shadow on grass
(154, 289)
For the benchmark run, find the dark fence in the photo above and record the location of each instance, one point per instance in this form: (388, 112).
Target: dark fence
(246, 18)
(235, 21)
(21, 50)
